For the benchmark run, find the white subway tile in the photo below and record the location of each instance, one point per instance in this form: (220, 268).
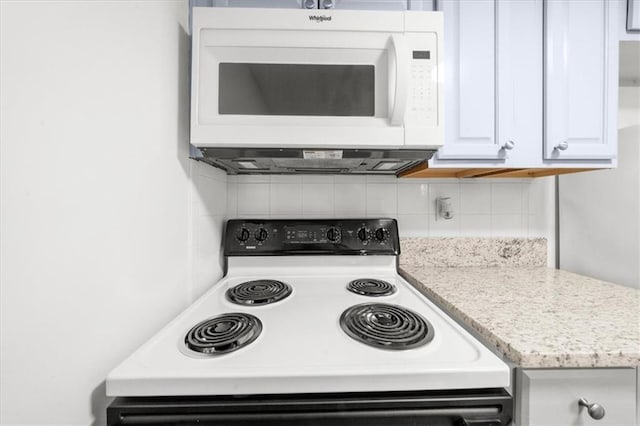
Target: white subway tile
(253, 179)
(439, 227)
(350, 199)
(317, 179)
(526, 190)
(382, 199)
(285, 216)
(318, 215)
(286, 198)
(413, 199)
(475, 225)
(475, 198)
(538, 226)
(286, 179)
(382, 179)
(349, 214)
(253, 198)
(232, 199)
(317, 198)
(413, 181)
(506, 198)
(541, 196)
(507, 225)
(350, 179)
(413, 225)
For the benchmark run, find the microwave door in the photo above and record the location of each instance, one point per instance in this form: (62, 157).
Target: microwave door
(327, 90)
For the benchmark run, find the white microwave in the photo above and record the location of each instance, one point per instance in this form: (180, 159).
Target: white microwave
(285, 78)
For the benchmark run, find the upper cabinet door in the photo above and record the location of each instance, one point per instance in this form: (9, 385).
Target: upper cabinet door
(493, 83)
(470, 38)
(633, 15)
(519, 80)
(581, 77)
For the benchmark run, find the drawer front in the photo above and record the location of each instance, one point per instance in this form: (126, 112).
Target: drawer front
(550, 397)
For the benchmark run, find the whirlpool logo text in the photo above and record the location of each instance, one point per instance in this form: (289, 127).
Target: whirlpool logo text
(318, 18)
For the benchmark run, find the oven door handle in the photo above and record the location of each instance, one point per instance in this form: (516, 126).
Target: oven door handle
(401, 77)
(460, 416)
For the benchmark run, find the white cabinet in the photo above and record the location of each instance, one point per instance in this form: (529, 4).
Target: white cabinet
(581, 80)
(530, 84)
(551, 397)
(633, 15)
(470, 89)
(493, 68)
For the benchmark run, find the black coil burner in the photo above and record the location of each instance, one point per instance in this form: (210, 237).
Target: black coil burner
(223, 334)
(259, 292)
(386, 326)
(371, 287)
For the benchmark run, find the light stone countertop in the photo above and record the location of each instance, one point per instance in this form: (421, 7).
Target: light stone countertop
(538, 317)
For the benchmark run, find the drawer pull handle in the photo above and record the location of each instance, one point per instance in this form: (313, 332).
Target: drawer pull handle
(596, 411)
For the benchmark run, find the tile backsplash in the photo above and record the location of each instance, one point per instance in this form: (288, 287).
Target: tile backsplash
(481, 207)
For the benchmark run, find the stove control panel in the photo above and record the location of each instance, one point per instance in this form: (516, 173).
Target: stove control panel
(311, 237)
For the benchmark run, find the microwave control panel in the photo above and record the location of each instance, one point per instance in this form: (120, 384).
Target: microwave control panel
(268, 237)
(422, 102)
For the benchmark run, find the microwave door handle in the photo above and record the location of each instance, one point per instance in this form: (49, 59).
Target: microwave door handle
(402, 79)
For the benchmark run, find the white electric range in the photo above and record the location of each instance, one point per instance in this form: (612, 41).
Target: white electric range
(311, 325)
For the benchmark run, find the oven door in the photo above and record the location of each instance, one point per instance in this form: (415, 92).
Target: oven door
(484, 407)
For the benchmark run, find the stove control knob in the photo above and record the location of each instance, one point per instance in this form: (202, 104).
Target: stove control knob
(243, 235)
(262, 234)
(363, 235)
(333, 234)
(382, 234)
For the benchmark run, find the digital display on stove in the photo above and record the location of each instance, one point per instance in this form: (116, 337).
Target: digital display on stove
(308, 234)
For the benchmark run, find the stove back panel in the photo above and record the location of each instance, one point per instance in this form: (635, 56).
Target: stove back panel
(255, 237)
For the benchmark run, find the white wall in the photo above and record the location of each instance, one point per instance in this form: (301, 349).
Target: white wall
(97, 250)
(482, 207)
(600, 211)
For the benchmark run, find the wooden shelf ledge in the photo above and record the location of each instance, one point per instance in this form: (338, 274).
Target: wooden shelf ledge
(424, 171)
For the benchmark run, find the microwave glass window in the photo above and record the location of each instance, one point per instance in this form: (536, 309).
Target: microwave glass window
(296, 89)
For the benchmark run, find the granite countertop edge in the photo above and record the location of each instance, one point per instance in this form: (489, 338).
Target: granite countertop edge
(491, 334)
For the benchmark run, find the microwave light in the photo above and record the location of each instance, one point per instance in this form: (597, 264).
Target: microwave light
(247, 164)
(388, 165)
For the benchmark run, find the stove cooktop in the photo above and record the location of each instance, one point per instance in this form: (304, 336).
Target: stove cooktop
(302, 347)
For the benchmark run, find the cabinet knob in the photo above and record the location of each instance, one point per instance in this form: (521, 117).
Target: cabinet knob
(596, 411)
(562, 146)
(508, 145)
(310, 4)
